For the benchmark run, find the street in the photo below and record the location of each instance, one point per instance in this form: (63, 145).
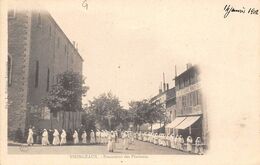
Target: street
(138, 147)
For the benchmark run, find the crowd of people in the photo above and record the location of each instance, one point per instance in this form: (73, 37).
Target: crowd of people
(110, 138)
(55, 138)
(172, 141)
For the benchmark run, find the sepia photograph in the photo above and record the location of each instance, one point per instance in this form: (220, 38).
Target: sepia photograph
(130, 80)
(46, 109)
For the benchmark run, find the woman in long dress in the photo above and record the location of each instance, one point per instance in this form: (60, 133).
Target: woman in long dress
(110, 145)
(63, 137)
(98, 136)
(114, 140)
(176, 141)
(189, 143)
(45, 138)
(84, 137)
(30, 137)
(198, 146)
(75, 137)
(126, 141)
(181, 141)
(172, 137)
(56, 138)
(132, 139)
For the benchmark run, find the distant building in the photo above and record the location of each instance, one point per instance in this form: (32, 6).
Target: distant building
(38, 50)
(167, 99)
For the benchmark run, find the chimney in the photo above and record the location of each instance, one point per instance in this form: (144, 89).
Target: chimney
(188, 65)
(175, 71)
(160, 88)
(164, 85)
(167, 86)
(74, 44)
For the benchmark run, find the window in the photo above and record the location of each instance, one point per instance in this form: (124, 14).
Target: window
(195, 98)
(37, 74)
(188, 100)
(184, 101)
(191, 78)
(186, 82)
(50, 31)
(9, 64)
(11, 13)
(199, 97)
(190, 95)
(39, 20)
(181, 83)
(48, 80)
(58, 42)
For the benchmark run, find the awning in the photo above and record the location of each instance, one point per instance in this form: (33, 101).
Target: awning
(188, 122)
(175, 122)
(156, 126)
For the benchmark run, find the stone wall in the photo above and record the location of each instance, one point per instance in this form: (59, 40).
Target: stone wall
(35, 39)
(18, 50)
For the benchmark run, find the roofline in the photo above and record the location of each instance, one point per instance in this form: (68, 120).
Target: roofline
(160, 94)
(187, 70)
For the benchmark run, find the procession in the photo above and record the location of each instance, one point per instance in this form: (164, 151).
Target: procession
(110, 138)
(79, 137)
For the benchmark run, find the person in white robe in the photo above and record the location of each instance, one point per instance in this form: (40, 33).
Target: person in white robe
(172, 137)
(126, 140)
(198, 146)
(84, 137)
(98, 136)
(92, 137)
(56, 138)
(176, 141)
(63, 137)
(114, 139)
(132, 139)
(75, 137)
(164, 141)
(110, 144)
(156, 139)
(30, 137)
(181, 142)
(45, 140)
(151, 137)
(189, 143)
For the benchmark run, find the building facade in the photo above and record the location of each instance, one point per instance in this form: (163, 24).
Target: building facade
(191, 116)
(38, 50)
(167, 99)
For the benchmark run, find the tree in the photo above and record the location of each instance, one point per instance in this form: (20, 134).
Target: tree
(66, 94)
(144, 112)
(107, 110)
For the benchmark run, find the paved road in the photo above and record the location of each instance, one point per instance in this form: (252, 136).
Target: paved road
(138, 147)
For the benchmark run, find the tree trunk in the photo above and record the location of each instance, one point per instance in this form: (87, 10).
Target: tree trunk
(63, 120)
(69, 121)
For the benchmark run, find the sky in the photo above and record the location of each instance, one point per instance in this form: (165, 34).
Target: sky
(127, 45)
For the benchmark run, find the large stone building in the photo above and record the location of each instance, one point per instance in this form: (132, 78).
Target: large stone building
(38, 50)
